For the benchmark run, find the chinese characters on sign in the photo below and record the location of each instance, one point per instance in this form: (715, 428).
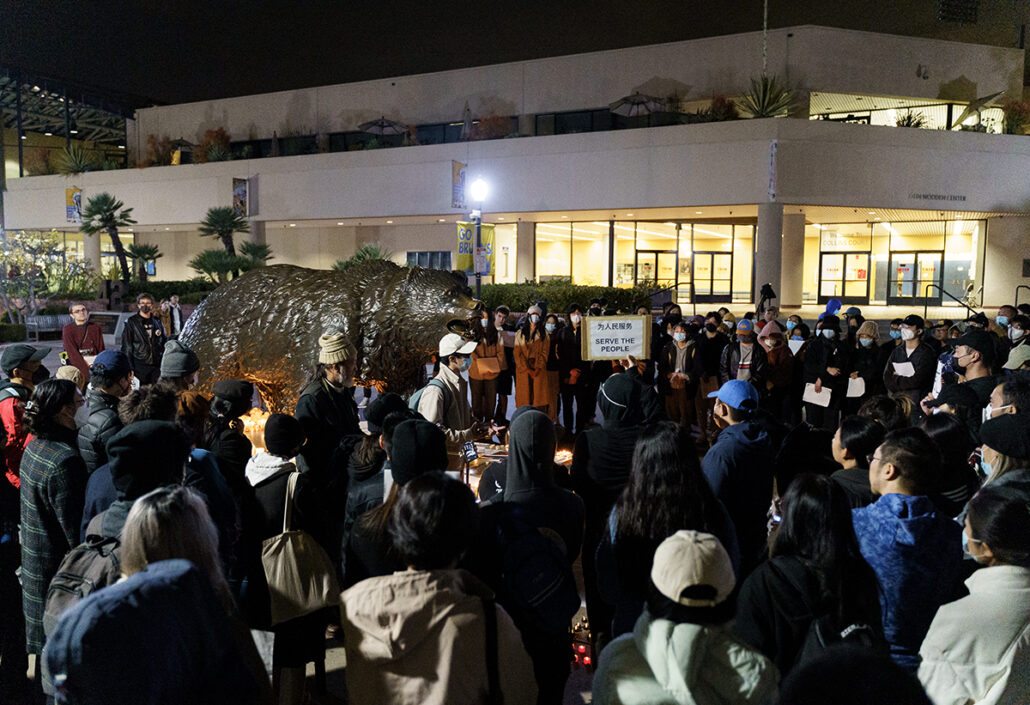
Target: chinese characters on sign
(615, 337)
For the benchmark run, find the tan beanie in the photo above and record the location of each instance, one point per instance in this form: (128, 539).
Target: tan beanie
(333, 348)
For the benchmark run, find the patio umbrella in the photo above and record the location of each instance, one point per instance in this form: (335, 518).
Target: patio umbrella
(382, 126)
(466, 123)
(636, 105)
(976, 106)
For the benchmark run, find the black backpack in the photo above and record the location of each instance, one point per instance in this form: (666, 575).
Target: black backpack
(823, 633)
(538, 583)
(91, 565)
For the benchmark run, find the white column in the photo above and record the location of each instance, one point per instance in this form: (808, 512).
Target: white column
(257, 232)
(792, 260)
(91, 248)
(768, 247)
(525, 251)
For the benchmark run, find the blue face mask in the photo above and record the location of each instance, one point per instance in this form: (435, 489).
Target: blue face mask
(1001, 320)
(791, 325)
(549, 327)
(895, 334)
(483, 322)
(965, 544)
(828, 334)
(796, 337)
(679, 337)
(987, 468)
(466, 362)
(865, 342)
(534, 318)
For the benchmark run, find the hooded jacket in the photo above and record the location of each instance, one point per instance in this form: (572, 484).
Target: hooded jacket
(915, 552)
(418, 638)
(978, 648)
(668, 663)
(15, 436)
(739, 468)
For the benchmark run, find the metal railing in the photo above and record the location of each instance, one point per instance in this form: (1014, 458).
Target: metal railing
(926, 296)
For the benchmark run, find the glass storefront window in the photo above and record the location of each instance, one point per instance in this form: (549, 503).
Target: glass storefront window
(625, 254)
(590, 254)
(505, 244)
(553, 250)
(713, 261)
(962, 253)
(656, 254)
(844, 262)
(743, 261)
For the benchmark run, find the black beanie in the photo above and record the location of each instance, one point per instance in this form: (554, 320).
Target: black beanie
(283, 435)
(236, 397)
(146, 455)
(417, 447)
(1009, 434)
(381, 407)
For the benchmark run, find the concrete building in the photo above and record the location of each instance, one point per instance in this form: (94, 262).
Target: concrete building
(837, 201)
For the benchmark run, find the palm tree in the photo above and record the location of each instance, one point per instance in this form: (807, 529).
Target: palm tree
(223, 222)
(259, 253)
(105, 213)
(143, 254)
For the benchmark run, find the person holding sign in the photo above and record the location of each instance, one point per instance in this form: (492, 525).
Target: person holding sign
(531, 350)
(865, 368)
(912, 364)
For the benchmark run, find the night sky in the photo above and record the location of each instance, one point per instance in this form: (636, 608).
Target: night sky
(173, 52)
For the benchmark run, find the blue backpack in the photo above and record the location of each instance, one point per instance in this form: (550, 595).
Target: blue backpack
(417, 396)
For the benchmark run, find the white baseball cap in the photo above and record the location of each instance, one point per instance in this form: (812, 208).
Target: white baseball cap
(454, 343)
(691, 558)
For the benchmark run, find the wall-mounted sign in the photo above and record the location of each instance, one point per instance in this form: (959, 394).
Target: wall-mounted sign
(835, 241)
(73, 205)
(615, 337)
(467, 261)
(458, 171)
(936, 197)
(240, 197)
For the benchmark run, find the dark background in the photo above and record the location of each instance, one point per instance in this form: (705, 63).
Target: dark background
(173, 52)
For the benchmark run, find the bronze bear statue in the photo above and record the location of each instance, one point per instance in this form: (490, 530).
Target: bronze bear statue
(264, 326)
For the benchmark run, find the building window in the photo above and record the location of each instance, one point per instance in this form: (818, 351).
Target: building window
(430, 259)
(553, 251)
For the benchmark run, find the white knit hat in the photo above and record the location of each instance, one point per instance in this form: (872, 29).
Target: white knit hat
(333, 348)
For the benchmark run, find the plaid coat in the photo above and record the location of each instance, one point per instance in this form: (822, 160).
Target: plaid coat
(53, 492)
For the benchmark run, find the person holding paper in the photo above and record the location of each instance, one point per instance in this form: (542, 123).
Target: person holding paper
(825, 364)
(865, 368)
(912, 364)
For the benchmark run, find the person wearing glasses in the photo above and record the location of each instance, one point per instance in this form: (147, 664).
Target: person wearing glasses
(82, 340)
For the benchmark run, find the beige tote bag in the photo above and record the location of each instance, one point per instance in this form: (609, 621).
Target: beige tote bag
(301, 578)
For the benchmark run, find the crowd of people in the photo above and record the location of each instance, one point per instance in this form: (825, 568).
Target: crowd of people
(757, 505)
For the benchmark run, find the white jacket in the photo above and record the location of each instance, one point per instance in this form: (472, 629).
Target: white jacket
(978, 648)
(669, 663)
(449, 410)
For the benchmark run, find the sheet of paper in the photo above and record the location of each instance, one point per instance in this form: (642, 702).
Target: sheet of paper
(795, 345)
(819, 398)
(904, 369)
(856, 386)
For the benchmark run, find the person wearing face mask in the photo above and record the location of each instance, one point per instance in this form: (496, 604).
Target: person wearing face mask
(976, 650)
(112, 380)
(916, 382)
(532, 348)
(1011, 396)
(143, 340)
(710, 344)
(824, 364)
(576, 381)
(973, 360)
(53, 490)
(680, 365)
(1005, 446)
(743, 358)
(866, 362)
(81, 339)
(552, 327)
(445, 400)
(893, 339)
(595, 308)
(781, 369)
(506, 379)
(1018, 334)
(326, 408)
(488, 361)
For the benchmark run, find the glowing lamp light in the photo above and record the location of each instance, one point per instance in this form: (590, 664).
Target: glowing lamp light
(586, 660)
(581, 649)
(479, 190)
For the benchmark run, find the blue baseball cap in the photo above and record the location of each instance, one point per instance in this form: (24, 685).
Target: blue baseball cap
(745, 326)
(113, 363)
(738, 394)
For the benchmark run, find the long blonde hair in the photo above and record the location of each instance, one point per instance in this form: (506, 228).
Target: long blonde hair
(173, 522)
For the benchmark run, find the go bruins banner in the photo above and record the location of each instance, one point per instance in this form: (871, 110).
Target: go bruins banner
(466, 260)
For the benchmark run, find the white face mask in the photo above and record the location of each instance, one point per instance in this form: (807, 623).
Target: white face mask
(1016, 334)
(575, 318)
(534, 318)
(828, 334)
(989, 411)
(907, 334)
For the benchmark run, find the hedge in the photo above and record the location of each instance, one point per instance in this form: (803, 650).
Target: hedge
(13, 333)
(561, 293)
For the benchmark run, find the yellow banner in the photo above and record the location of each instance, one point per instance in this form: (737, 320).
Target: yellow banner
(465, 260)
(73, 205)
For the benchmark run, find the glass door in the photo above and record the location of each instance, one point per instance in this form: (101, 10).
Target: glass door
(909, 273)
(845, 276)
(713, 276)
(656, 268)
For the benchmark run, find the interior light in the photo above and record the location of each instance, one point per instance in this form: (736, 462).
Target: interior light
(23, 136)
(121, 146)
(389, 222)
(440, 220)
(872, 212)
(500, 218)
(698, 212)
(565, 216)
(293, 225)
(167, 228)
(629, 214)
(48, 133)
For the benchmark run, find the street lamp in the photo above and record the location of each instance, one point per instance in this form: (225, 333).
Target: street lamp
(478, 190)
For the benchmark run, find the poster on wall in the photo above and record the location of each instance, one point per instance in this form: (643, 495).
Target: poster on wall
(615, 337)
(73, 205)
(458, 171)
(240, 197)
(466, 260)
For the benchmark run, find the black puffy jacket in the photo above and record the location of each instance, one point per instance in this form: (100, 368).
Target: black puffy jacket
(102, 423)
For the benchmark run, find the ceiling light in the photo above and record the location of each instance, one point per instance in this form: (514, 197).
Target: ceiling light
(48, 133)
(167, 228)
(565, 216)
(440, 220)
(698, 212)
(389, 222)
(629, 214)
(341, 223)
(872, 212)
(121, 146)
(500, 218)
(293, 225)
